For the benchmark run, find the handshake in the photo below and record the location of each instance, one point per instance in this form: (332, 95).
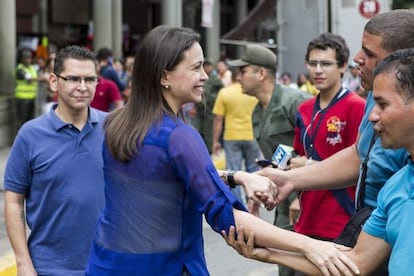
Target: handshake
(259, 187)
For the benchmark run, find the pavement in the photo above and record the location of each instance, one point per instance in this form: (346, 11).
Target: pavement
(7, 261)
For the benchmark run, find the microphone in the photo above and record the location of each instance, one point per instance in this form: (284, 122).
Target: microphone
(282, 155)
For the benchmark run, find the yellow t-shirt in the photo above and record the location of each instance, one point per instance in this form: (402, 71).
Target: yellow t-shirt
(236, 108)
(310, 88)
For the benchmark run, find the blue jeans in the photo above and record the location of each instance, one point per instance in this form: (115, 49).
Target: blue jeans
(241, 155)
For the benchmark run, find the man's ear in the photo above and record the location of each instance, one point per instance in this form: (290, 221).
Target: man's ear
(342, 69)
(53, 79)
(263, 72)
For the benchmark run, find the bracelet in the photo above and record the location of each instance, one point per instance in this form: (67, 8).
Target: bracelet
(228, 178)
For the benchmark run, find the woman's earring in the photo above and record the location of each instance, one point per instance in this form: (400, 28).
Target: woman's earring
(166, 86)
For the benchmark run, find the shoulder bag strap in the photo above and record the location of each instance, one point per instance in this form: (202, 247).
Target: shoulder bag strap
(361, 190)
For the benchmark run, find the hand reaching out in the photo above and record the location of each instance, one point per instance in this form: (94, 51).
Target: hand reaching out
(326, 256)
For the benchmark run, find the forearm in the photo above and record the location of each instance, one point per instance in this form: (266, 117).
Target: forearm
(217, 129)
(324, 255)
(338, 171)
(369, 253)
(16, 228)
(295, 261)
(267, 235)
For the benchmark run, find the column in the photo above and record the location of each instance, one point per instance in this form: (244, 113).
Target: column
(117, 29)
(8, 46)
(7, 69)
(102, 24)
(241, 10)
(172, 12)
(43, 16)
(241, 14)
(213, 35)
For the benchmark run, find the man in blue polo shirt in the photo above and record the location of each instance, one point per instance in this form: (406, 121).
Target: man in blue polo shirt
(54, 177)
(390, 226)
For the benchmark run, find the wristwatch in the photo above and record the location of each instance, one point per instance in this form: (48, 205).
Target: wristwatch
(230, 179)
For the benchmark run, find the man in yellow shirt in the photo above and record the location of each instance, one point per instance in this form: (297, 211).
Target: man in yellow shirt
(235, 109)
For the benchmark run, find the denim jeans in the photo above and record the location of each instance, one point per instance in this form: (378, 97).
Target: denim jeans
(241, 155)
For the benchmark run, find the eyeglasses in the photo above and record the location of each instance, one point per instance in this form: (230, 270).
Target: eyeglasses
(74, 80)
(325, 64)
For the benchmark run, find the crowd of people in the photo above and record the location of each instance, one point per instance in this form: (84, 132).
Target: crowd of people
(115, 176)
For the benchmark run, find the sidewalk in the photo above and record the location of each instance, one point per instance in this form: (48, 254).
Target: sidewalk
(7, 261)
(4, 153)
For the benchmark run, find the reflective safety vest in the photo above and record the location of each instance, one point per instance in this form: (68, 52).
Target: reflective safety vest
(25, 89)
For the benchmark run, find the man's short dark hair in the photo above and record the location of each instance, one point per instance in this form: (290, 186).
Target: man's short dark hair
(103, 54)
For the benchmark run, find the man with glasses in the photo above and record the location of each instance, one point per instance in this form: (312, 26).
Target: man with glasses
(54, 177)
(325, 125)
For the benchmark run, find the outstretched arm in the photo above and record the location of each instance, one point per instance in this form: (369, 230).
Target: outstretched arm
(338, 171)
(295, 261)
(369, 253)
(325, 255)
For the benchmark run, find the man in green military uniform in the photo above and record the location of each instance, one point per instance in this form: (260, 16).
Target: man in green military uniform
(26, 88)
(274, 116)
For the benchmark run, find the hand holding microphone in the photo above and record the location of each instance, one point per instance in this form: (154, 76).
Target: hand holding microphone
(282, 156)
(280, 159)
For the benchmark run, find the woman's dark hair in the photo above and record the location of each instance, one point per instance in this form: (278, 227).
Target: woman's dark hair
(161, 50)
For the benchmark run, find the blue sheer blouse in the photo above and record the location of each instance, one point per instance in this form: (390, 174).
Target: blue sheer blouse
(152, 220)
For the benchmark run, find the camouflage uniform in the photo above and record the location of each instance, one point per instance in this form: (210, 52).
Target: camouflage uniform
(274, 126)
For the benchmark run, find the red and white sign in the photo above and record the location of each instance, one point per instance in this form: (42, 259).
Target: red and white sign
(369, 8)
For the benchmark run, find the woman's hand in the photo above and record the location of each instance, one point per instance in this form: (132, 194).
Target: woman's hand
(253, 183)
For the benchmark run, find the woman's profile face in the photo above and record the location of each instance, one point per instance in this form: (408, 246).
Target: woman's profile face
(186, 82)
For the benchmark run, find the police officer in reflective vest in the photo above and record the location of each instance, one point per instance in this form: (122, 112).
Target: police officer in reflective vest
(26, 88)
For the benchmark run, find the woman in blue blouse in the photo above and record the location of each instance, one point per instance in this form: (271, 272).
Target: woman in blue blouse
(160, 180)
